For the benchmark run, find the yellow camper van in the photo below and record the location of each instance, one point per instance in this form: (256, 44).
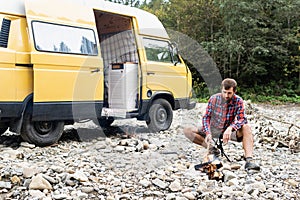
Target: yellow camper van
(66, 60)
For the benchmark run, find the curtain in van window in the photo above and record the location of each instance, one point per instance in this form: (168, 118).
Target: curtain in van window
(118, 48)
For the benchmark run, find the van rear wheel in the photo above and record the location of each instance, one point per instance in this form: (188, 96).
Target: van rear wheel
(160, 115)
(41, 133)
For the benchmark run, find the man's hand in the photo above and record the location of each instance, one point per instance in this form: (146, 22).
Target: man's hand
(208, 139)
(227, 134)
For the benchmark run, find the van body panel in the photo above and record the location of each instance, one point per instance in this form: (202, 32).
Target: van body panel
(63, 76)
(7, 80)
(16, 71)
(167, 77)
(78, 14)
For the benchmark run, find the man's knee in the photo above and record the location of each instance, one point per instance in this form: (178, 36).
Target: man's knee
(246, 129)
(189, 132)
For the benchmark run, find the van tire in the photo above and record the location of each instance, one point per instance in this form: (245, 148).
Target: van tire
(3, 128)
(41, 133)
(104, 122)
(160, 116)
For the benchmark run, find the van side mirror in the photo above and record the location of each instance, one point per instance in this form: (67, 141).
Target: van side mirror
(174, 53)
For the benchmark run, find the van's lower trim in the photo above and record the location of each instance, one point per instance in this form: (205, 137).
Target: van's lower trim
(184, 103)
(10, 109)
(48, 111)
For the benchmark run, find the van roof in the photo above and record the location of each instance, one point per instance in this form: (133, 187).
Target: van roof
(147, 22)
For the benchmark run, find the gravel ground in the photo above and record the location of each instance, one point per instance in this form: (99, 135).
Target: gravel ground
(126, 162)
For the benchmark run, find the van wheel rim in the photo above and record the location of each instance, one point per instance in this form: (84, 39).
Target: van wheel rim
(43, 127)
(161, 115)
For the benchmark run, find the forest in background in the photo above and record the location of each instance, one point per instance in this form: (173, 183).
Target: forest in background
(255, 42)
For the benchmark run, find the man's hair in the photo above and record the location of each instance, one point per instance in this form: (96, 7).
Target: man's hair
(229, 83)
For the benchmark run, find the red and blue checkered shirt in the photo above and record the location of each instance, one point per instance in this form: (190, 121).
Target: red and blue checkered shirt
(221, 114)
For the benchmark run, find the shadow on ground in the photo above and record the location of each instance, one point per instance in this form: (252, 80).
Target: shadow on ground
(13, 140)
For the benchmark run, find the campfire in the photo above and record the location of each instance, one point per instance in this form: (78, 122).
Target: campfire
(211, 166)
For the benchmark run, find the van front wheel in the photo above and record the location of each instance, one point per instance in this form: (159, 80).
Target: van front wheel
(41, 133)
(160, 115)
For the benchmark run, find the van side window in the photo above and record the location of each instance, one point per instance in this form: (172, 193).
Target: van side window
(64, 39)
(4, 32)
(157, 50)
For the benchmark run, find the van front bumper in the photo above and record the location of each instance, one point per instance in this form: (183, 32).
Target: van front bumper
(192, 105)
(184, 104)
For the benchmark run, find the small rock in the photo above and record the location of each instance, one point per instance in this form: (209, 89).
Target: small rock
(119, 149)
(233, 181)
(15, 180)
(175, 186)
(37, 194)
(60, 196)
(82, 195)
(228, 175)
(145, 145)
(10, 154)
(189, 195)
(56, 168)
(38, 182)
(292, 182)
(235, 166)
(259, 186)
(226, 166)
(159, 183)
(27, 145)
(124, 142)
(171, 196)
(29, 172)
(145, 183)
(5, 185)
(80, 176)
(87, 189)
(153, 147)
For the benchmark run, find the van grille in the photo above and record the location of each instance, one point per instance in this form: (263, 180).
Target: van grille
(4, 33)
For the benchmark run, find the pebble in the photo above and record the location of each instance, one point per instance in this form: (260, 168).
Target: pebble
(189, 195)
(145, 183)
(159, 183)
(37, 194)
(80, 176)
(175, 186)
(153, 166)
(5, 185)
(38, 182)
(27, 145)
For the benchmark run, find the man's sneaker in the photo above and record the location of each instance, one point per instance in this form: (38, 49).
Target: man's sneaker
(213, 150)
(250, 165)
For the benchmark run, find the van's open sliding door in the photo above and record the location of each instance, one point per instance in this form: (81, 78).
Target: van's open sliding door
(67, 65)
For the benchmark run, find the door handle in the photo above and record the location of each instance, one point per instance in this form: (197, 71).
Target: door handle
(150, 73)
(95, 70)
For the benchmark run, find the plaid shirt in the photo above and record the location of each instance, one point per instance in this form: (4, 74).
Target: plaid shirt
(220, 114)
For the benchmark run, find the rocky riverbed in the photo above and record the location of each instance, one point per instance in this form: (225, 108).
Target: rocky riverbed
(126, 162)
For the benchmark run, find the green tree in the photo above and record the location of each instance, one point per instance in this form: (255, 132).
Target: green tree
(265, 36)
(132, 3)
